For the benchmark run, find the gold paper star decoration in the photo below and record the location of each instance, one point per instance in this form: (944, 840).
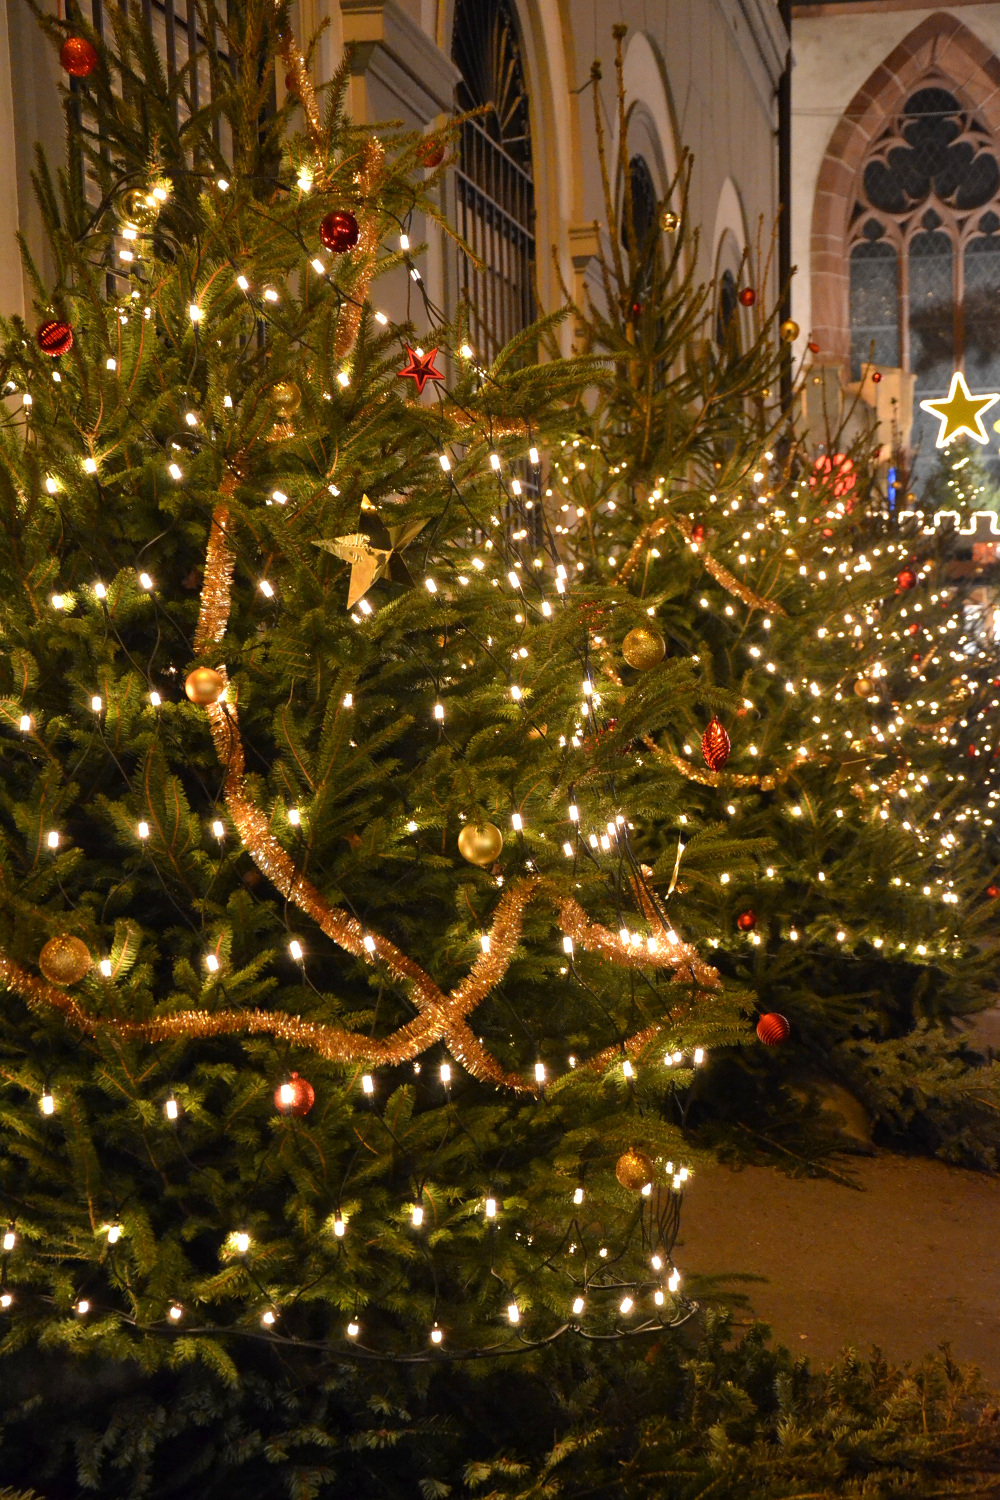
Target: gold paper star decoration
(373, 551)
(960, 412)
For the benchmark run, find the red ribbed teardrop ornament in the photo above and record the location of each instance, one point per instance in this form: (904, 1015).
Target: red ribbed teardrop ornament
(715, 745)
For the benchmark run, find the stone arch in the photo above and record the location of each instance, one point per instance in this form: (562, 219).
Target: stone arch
(940, 49)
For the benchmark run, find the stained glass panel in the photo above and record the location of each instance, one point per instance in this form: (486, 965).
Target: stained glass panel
(874, 306)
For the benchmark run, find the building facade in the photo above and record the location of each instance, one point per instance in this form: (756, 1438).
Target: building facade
(526, 188)
(896, 194)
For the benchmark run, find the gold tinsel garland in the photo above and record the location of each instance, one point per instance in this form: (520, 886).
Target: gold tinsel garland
(718, 571)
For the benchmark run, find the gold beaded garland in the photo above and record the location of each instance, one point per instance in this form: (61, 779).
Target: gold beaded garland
(64, 959)
(204, 685)
(634, 1169)
(480, 846)
(643, 648)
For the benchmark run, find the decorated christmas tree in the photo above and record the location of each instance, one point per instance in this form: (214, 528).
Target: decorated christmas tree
(415, 793)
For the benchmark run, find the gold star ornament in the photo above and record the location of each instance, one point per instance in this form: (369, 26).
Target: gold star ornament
(960, 412)
(373, 551)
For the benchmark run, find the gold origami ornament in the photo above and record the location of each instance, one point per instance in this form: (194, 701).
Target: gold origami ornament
(373, 551)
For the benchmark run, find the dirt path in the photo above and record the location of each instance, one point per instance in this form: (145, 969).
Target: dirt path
(908, 1262)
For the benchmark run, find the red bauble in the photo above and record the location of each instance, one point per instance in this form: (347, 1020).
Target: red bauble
(697, 532)
(993, 890)
(907, 579)
(840, 469)
(430, 153)
(54, 338)
(296, 1097)
(912, 628)
(715, 745)
(339, 230)
(746, 921)
(773, 1029)
(876, 376)
(813, 348)
(748, 296)
(78, 56)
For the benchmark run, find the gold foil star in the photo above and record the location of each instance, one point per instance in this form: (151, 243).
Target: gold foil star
(961, 412)
(373, 551)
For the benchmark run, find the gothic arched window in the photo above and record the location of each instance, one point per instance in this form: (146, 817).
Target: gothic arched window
(496, 196)
(924, 245)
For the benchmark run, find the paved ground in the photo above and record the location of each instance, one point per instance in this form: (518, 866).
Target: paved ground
(907, 1262)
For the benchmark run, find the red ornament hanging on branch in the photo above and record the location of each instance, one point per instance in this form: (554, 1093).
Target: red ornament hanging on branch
(746, 921)
(339, 230)
(715, 745)
(430, 153)
(54, 338)
(773, 1029)
(748, 296)
(907, 579)
(296, 1097)
(78, 56)
(420, 369)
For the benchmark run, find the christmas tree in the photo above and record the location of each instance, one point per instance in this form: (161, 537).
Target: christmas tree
(414, 790)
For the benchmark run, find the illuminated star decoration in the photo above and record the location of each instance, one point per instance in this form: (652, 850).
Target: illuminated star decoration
(960, 412)
(420, 369)
(373, 551)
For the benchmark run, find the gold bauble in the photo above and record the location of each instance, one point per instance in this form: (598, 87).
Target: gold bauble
(864, 687)
(789, 331)
(139, 207)
(480, 846)
(286, 396)
(64, 959)
(204, 685)
(634, 1169)
(669, 221)
(644, 648)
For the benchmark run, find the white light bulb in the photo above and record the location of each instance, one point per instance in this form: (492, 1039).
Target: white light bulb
(295, 949)
(9, 1240)
(145, 581)
(100, 591)
(175, 471)
(155, 699)
(436, 1335)
(367, 1084)
(578, 1305)
(24, 723)
(491, 1208)
(578, 1195)
(89, 465)
(175, 1313)
(242, 1242)
(626, 1305)
(339, 1227)
(416, 1215)
(516, 822)
(105, 967)
(445, 1073)
(47, 1104)
(533, 456)
(114, 1233)
(142, 829)
(513, 1313)
(211, 963)
(171, 1108)
(97, 703)
(53, 839)
(294, 817)
(194, 313)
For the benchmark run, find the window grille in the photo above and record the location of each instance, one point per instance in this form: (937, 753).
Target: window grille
(494, 187)
(924, 247)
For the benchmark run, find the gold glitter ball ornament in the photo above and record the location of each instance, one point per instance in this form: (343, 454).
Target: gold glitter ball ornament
(643, 648)
(64, 959)
(286, 396)
(669, 221)
(204, 686)
(480, 846)
(789, 331)
(864, 687)
(634, 1169)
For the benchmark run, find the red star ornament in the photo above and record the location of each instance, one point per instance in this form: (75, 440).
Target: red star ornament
(420, 369)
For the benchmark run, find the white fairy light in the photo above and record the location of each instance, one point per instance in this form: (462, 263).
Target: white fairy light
(142, 829)
(445, 1073)
(105, 967)
(194, 313)
(578, 1195)
(155, 699)
(539, 1072)
(513, 1313)
(626, 1305)
(296, 950)
(145, 581)
(89, 465)
(490, 1208)
(47, 1103)
(52, 839)
(171, 1108)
